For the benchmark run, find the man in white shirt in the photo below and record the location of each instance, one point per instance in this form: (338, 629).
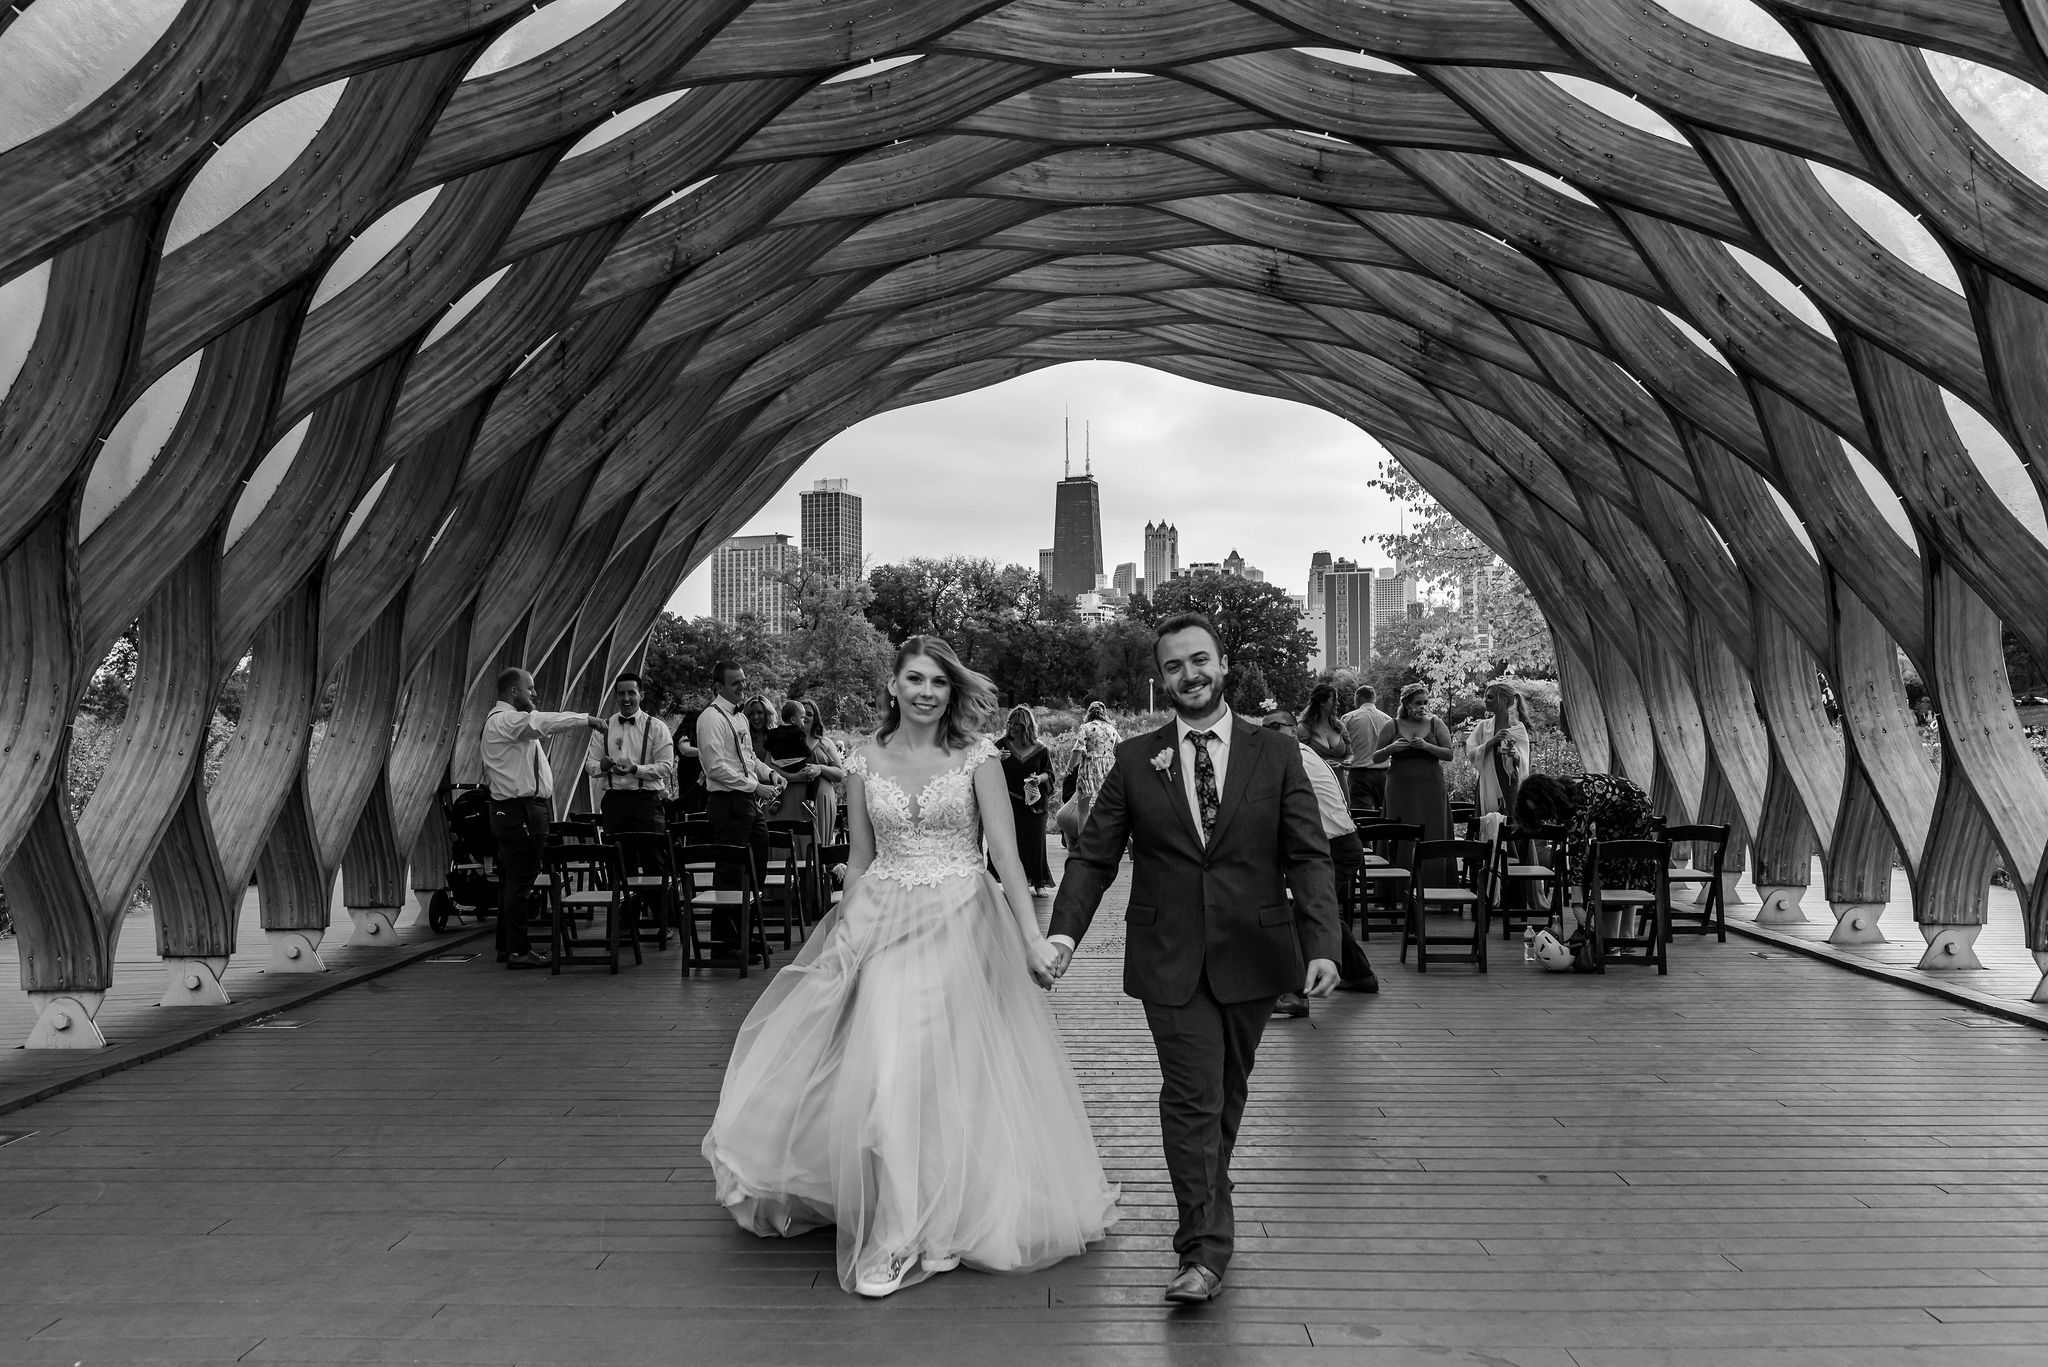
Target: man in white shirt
(1362, 727)
(734, 779)
(631, 761)
(522, 802)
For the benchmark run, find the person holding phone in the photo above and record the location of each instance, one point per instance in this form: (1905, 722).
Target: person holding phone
(1418, 745)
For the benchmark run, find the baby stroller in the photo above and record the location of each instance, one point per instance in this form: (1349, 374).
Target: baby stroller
(472, 888)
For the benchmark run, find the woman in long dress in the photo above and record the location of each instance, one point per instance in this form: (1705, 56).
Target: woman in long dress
(831, 772)
(903, 1079)
(1419, 745)
(1094, 756)
(1498, 746)
(1027, 773)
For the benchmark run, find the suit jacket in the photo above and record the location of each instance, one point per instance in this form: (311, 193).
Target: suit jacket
(1221, 907)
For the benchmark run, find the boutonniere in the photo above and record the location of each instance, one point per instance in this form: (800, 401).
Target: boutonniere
(1163, 761)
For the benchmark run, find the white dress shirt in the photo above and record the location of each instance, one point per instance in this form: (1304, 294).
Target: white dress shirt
(640, 738)
(1362, 728)
(1330, 799)
(1219, 754)
(726, 751)
(515, 762)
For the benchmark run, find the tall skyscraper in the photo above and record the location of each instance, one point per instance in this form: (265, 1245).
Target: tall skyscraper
(745, 578)
(1392, 591)
(1318, 566)
(1125, 581)
(1045, 569)
(830, 524)
(1162, 554)
(1348, 616)
(1076, 530)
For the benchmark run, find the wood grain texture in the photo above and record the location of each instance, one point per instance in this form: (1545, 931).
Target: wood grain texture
(1628, 361)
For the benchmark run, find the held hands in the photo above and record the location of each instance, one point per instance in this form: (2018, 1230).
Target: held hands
(1046, 961)
(1322, 978)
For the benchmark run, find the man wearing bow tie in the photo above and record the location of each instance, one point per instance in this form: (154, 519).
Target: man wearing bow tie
(631, 761)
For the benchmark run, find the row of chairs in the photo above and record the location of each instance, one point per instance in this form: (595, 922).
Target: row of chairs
(644, 884)
(1623, 896)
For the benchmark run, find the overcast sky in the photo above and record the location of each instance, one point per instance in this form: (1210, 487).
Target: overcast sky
(974, 475)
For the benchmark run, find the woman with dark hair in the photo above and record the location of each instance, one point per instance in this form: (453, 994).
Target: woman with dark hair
(903, 1079)
(1419, 745)
(1027, 773)
(1321, 730)
(831, 770)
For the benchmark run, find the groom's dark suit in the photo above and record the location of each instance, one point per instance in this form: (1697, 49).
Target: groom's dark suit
(1210, 937)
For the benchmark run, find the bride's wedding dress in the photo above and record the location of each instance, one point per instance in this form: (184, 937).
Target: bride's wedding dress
(903, 1078)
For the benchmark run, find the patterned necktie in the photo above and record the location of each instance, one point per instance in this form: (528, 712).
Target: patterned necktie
(1205, 782)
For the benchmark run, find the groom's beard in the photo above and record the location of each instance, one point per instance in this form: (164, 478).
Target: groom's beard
(1179, 701)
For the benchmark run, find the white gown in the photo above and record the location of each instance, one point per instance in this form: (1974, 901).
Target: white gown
(903, 1078)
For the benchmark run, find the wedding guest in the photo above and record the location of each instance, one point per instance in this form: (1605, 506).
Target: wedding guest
(1498, 747)
(522, 787)
(1027, 772)
(760, 721)
(1362, 728)
(689, 785)
(1417, 745)
(787, 746)
(1322, 730)
(1094, 756)
(632, 761)
(831, 771)
(1346, 853)
(735, 777)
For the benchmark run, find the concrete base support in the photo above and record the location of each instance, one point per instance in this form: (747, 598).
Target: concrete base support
(194, 982)
(64, 1020)
(1950, 949)
(1856, 923)
(1779, 906)
(295, 951)
(2041, 962)
(1729, 897)
(422, 904)
(373, 928)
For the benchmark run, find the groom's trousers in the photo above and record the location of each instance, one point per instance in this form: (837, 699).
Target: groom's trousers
(1206, 1048)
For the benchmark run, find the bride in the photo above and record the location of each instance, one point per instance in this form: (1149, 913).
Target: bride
(902, 1079)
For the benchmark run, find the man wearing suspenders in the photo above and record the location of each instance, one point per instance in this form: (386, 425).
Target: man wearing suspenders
(632, 760)
(522, 802)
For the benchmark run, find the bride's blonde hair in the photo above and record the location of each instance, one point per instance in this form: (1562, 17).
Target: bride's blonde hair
(970, 703)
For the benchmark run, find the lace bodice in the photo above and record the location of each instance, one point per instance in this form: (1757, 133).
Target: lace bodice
(934, 837)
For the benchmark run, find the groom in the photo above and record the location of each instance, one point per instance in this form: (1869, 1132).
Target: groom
(1222, 821)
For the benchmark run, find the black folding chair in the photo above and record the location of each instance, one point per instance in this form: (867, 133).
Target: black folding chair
(587, 878)
(1465, 894)
(1628, 901)
(650, 868)
(1707, 912)
(714, 877)
(1387, 881)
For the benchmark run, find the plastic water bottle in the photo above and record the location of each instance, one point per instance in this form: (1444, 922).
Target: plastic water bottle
(1528, 944)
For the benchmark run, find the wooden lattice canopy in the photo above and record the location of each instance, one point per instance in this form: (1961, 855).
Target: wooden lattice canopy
(387, 341)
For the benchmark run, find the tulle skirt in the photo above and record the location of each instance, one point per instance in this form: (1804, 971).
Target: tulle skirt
(903, 1080)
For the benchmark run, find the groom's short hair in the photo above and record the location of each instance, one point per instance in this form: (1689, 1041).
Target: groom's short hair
(1185, 621)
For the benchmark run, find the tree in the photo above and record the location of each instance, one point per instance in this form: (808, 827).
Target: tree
(1499, 616)
(1123, 663)
(953, 598)
(1040, 662)
(680, 653)
(834, 654)
(1249, 691)
(1257, 625)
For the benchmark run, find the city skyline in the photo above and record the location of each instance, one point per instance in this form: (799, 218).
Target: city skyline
(1175, 452)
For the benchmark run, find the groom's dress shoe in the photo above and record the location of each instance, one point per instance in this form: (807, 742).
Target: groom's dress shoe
(1291, 1004)
(1194, 1285)
(1369, 983)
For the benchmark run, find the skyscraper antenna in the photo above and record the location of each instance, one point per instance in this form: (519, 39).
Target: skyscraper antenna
(1087, 448)
(1067, 426)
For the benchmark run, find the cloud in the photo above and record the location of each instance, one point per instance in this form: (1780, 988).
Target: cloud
(974, 474)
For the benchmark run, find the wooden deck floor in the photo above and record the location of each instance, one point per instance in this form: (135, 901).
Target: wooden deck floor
(1756, 1159)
